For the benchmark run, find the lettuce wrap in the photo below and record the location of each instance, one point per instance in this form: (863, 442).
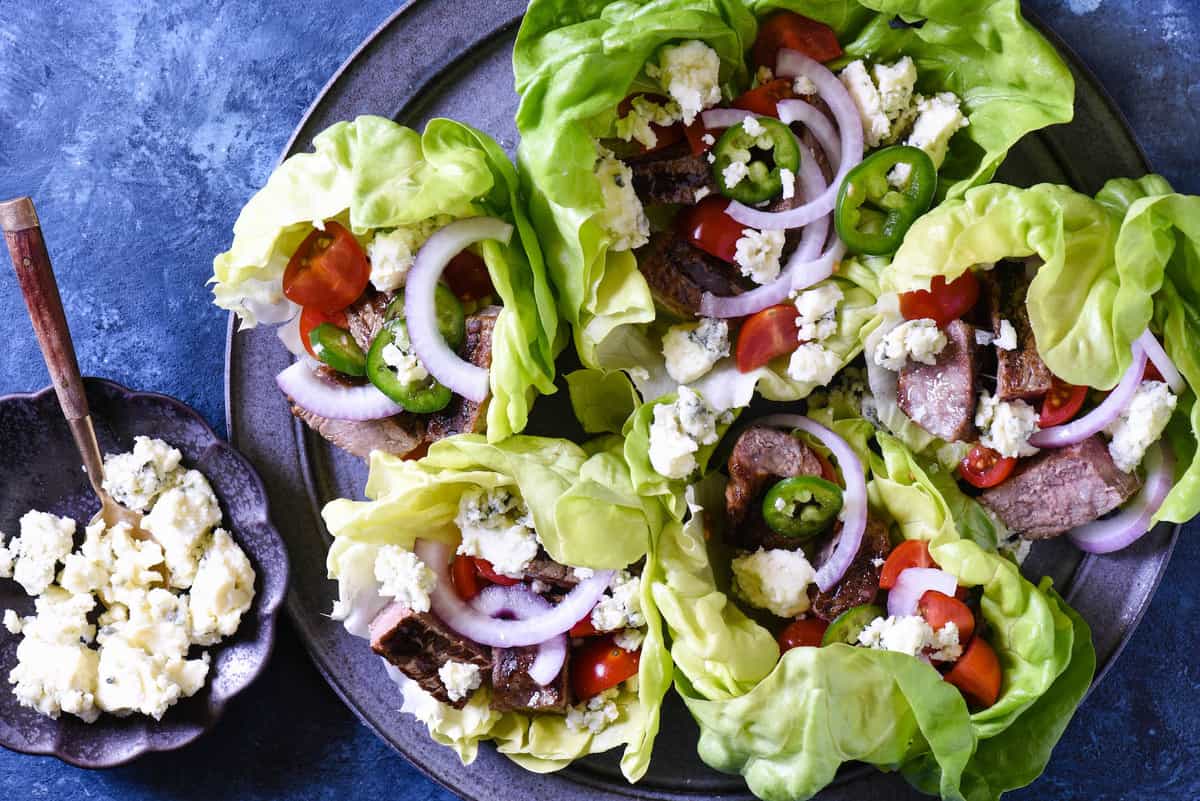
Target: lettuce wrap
(1112, 266)
(373, 175)
(586, 514)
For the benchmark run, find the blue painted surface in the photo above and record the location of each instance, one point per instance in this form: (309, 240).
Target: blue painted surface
(140, 133)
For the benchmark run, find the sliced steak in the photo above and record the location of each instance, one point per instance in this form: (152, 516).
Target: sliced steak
(418, 644)
(366, 316)
(760, 457)
(462, 416)
(679, 273)
(1060, 489)
(513, 690)
(860, 584)
(1020, 373)
(547, 571)
(671, 175)
(940, 397)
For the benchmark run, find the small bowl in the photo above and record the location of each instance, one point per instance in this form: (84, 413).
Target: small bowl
(40, 469)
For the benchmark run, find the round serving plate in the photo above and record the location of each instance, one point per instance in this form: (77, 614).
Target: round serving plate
(442, 58)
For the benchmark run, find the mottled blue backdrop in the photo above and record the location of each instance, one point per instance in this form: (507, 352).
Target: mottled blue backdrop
(141, 131)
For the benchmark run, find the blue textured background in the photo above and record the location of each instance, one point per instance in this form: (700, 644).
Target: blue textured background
(140, 133)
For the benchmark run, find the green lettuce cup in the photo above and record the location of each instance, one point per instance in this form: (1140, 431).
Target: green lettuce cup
(576, 507)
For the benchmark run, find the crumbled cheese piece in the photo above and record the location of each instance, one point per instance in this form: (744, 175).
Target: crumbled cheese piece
(12, 621)
(816, 312)
(939, 117)
(691, 74)
(775, 580)
(1140, 424)
(708, 139)
(984, 337)
(709, 157)
(1007, 338)
(757, 254)
(584, 573)
(56, 671)
(180, 522)
(734, 173)
(803, 85)
(402, 575)
(878, 561)
(642, 114)
(944, 644)
(812, 363)
(866, 98)
(788, 178)
(136, 478)
(1006, 427)
(629, 639)
(700, 194)
(400, 356)
(624, 218)
(6, 558)
(753, 127)
(496, 525)
(691, 350)
(909, 634)
(45, 540)
(919, 340)
(222, 591)
(678, 431)
(460, 679)
(392, 252)
(595, 714)
(621, 605)
(896, 83)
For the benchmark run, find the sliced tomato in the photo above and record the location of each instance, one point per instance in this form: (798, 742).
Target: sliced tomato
(664, 135)
(584, 627)
(788, 30)
(910, 553)
(977, 674)
(765, 99)
(827, 470)
(485, 569)
(328, 271)
(468, 278)
(942, 302)
(766, 335)
(1151, 372)
(601, 664)
(938, 609)
(696, 133)
(311, 317)
(708, 227)
(984, 467)
(466, 580)
(1061, 403)
(807, 631)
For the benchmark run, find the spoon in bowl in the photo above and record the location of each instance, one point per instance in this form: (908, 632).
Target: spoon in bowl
(23, 235)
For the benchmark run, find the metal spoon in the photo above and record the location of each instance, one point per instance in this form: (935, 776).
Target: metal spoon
(23, 235)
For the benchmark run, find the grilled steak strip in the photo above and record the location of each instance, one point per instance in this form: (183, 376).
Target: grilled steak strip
(1060, 489)
(679, 273)
(760, 457)
(462, 416)
(514, 691)
(418, 644)
(399, 435)
(547, 571)
(366, 317)
(860, 584)
(1020, 373)
(940, 397)
(670, 175)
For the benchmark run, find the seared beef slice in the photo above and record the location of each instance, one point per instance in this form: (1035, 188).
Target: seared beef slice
(462, 416)
(1020, 373)
(679, 273)
(366, 316)
(671, 175)
(940, 397)
(418, 644)
(513, 690)
(860, 584)
(1059, 489)
(397, 435)
(760, 457)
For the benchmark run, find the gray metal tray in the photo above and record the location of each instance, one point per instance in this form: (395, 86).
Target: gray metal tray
(442, 58)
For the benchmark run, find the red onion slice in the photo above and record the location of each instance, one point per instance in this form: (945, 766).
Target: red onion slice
(791, 65)
(717, 118)
(1097, 419)
(854, 506)
(461, 617)
(334, 401)
(912, 583)
(462, 377)
(815, 121)
(523, 604)
(808, 273)
(1160, 359)
(1132, 522)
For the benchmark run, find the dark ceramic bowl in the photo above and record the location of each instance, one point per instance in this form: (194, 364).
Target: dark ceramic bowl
(40, 469)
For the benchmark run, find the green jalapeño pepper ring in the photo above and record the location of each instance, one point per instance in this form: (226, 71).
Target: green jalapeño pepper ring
(450, 318)
(421, 397)
(335, 347)
(849, 624)
(872, 215)
(765, 155)
(801, 506)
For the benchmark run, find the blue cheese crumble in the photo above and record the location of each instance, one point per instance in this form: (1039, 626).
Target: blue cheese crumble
(758, 254)
(1140, 424)
(691, 350)
(1006, 426)
(496, 525)
(691, 74)
(678, 431)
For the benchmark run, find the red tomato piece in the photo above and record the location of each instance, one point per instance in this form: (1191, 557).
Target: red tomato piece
(466, 580)
(1062, 402)
(984, 467)
(765, 99)
(708, 227)
(827, 470)
(910, 553)
(938, 609)
(807, 631)
(468, 278)
(328, 271)
(601, 664)
(766, 335)
(788, 30)
(942, 302)
(977, 674)
(1151, 373)
(584, 627)
(695, 134)
(310, 318)
(485, 569)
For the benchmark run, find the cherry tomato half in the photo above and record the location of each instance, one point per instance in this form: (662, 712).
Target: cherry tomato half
(984, 467)
(468, 278)
(765, 99)
(328, 271)
(806, 631)
(788, 30)
(766, 335)
(910, 553)
(600, 664)
(1061, 403)
(708, 227)
(310, 318)
(695, 135)
(942, 302)
(664, 135)
(584, 627)
(466, 580)
(485, 569)
(938, 609)
(1151, 373)
(977, 674)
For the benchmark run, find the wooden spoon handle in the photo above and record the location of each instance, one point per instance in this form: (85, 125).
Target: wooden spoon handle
(23, 235)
